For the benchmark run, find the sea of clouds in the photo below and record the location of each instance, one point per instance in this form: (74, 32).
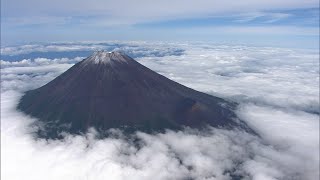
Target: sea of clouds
(277, 90)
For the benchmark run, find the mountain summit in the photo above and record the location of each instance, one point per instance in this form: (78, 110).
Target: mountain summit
(104, 57)
(111, 90)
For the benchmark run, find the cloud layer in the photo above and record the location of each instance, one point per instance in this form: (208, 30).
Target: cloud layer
(84, 49)
(283, 78)
(278, 94)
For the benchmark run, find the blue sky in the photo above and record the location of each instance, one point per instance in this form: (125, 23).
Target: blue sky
(289, 23)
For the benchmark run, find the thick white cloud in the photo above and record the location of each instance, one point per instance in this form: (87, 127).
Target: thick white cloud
(264, 75)
(278, 94)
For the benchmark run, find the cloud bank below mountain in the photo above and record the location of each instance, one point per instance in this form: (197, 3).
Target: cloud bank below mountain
(278, 94)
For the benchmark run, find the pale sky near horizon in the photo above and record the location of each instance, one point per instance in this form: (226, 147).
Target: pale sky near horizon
(286, 23)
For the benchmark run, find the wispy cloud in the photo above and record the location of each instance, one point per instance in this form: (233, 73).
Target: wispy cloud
(124, 20)
(128, 12)
(269, 30)
(263, 16)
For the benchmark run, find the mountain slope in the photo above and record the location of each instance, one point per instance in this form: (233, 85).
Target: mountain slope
(111, 90)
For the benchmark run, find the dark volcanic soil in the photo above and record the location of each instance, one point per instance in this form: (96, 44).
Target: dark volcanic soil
(112, 90)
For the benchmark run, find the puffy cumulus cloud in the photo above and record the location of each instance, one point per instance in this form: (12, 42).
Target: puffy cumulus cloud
(217, 154)
(262, 80)
(295, 131)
